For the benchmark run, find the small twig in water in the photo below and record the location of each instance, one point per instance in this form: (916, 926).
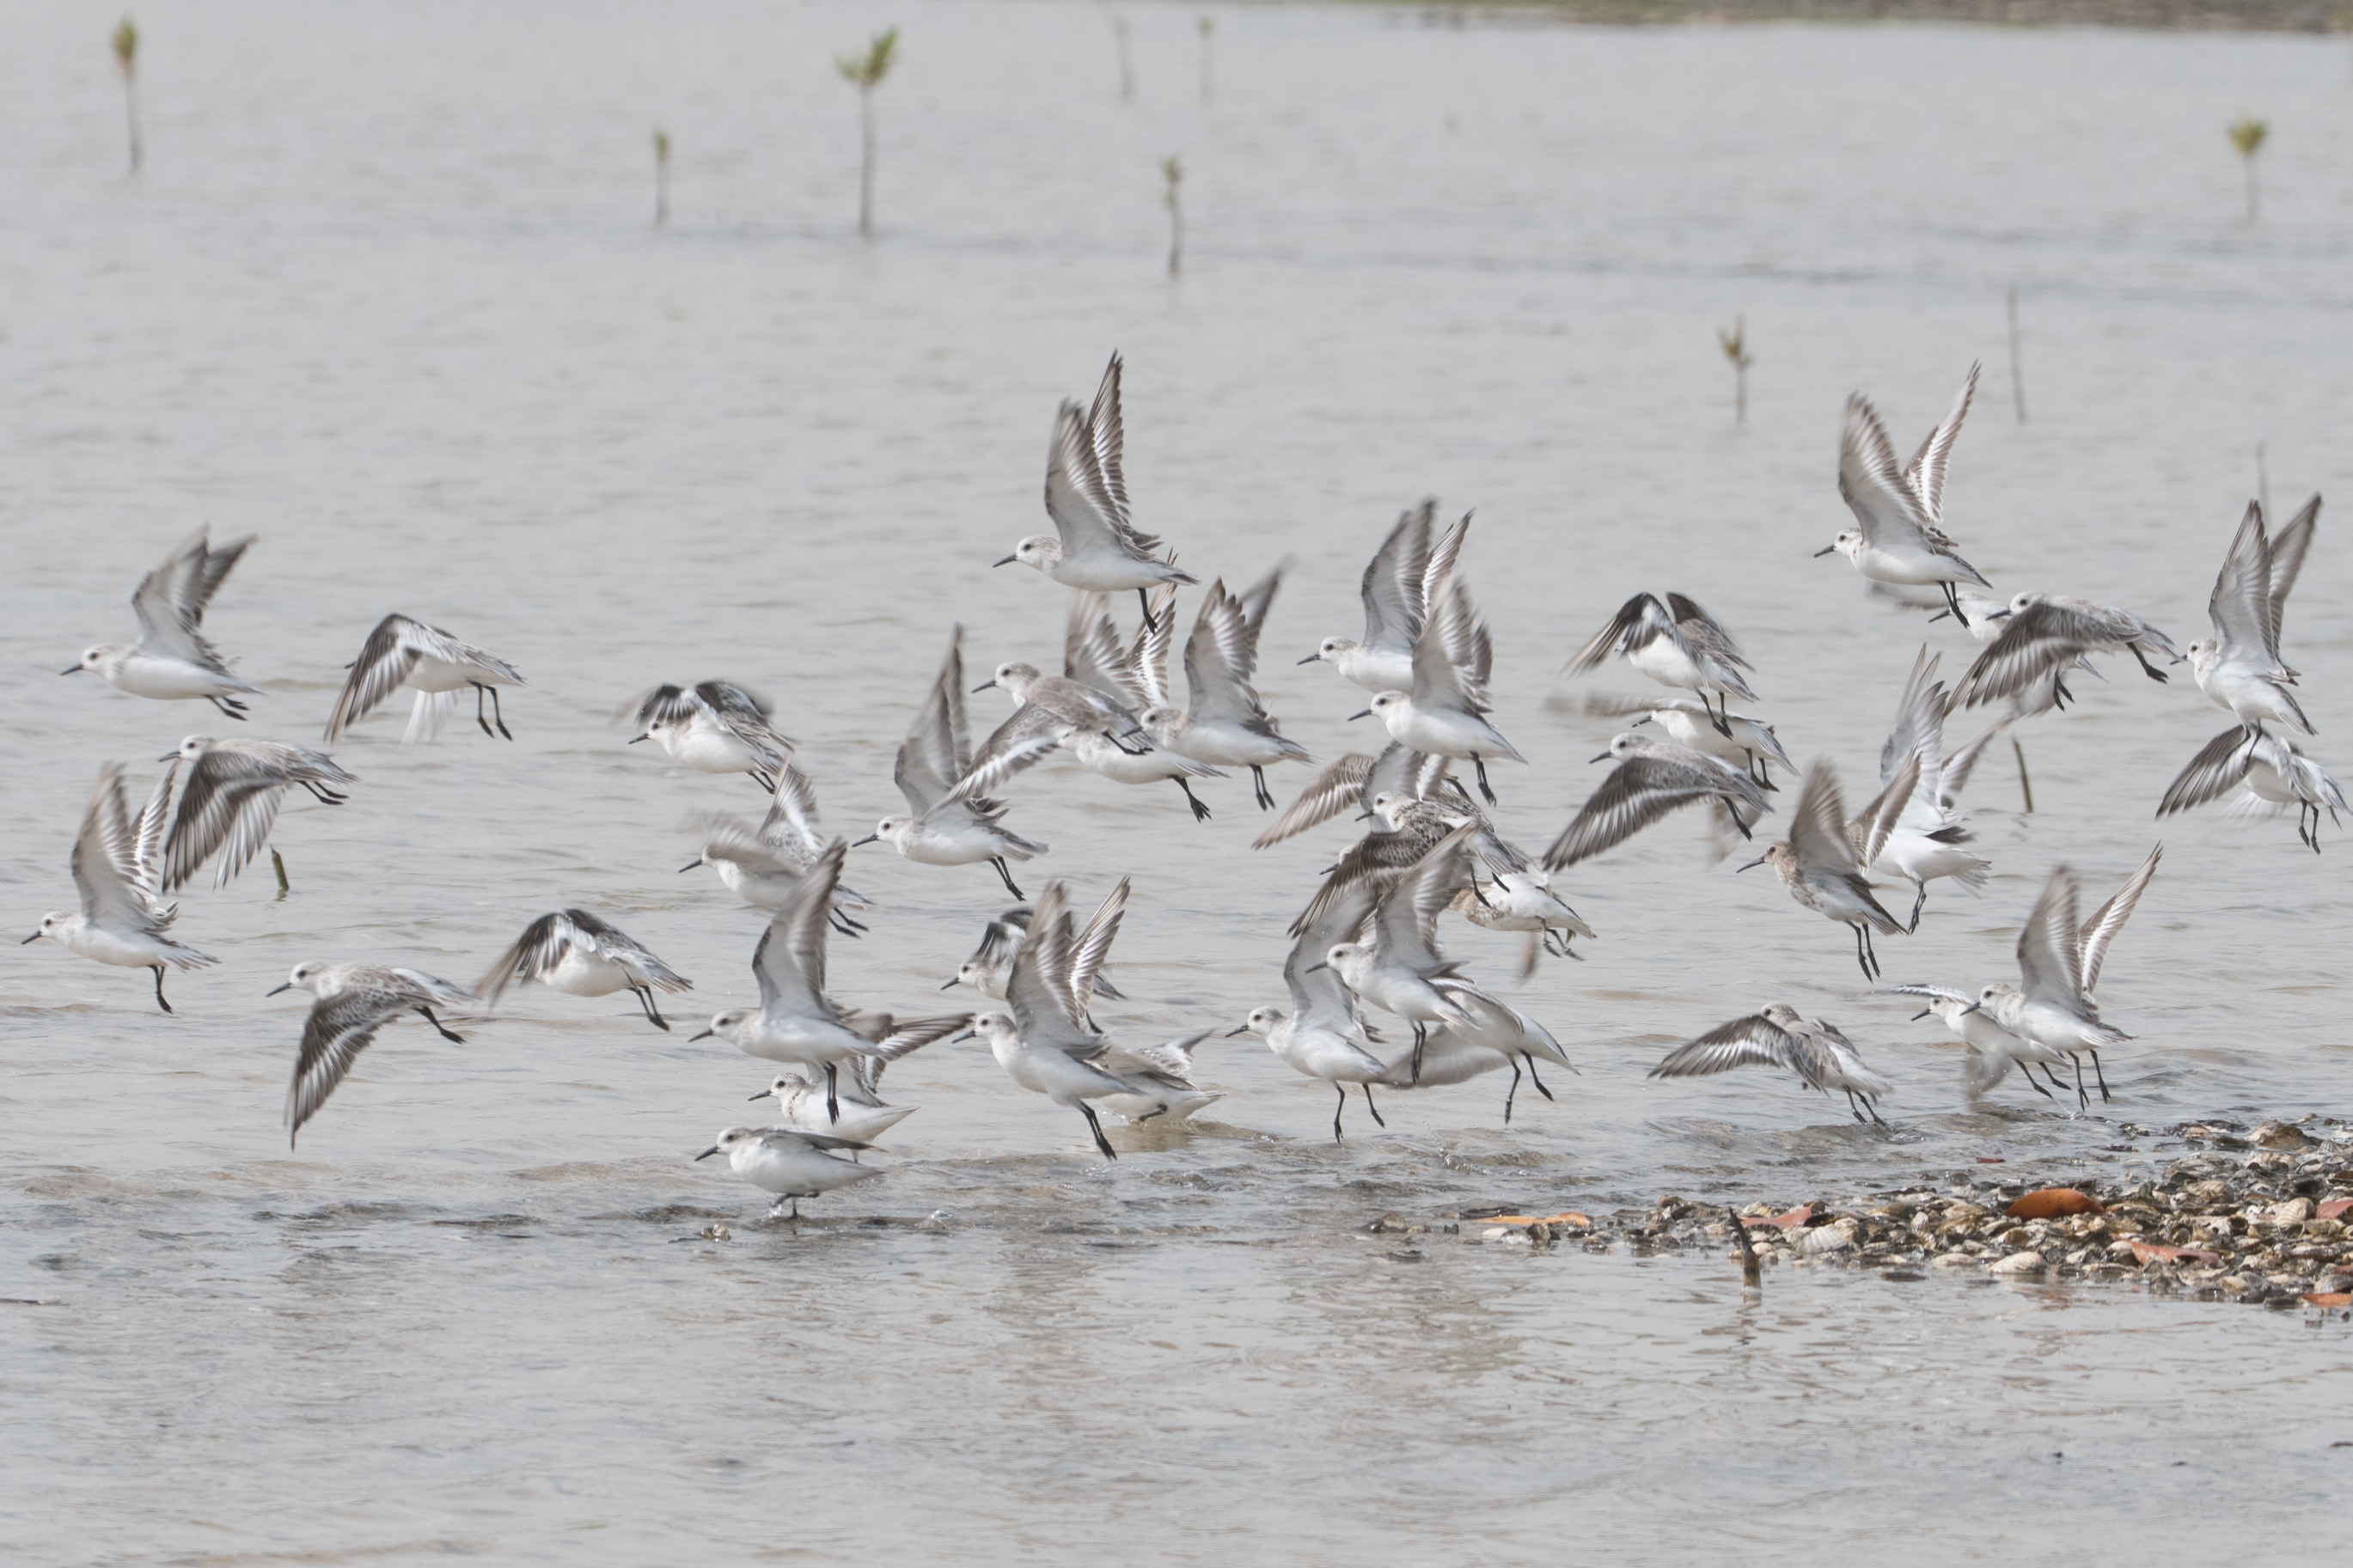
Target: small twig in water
(1752, 1274)
(1735, 345)
(1172, 169)
(2025, 788)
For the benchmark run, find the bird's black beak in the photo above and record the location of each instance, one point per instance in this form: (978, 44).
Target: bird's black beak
(1972, 1007)
(1311, 659)
(705, 1036)
(1754, 864)
(76, 669)
(647, 736)
(1825, 550)
(689, 866)
(984, 686)
(1243, 1030)
(1366, 714)
(276, 989)
(868, 840)
(1940, 615)
(761, 1095)
(1602, 758)
(1996, 615)
(1007, 562)
(34, 937)
(167, 756)
(708, 1152)
(951, 984)
(959, 1040)
(1643, 719)
(1313, 967)
(1922, 1014)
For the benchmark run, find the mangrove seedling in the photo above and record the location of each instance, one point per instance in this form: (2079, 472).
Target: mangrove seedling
(661, 178)
(1735, 345)
(865, 72)
(1172, 172)
(1208, 80)
(126, 59)
(2247, 135)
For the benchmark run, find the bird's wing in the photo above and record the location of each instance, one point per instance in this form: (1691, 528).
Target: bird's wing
(792, 822)
(1092, 946)
(1218, 689)
(934, 756)
(1148, 659)
(154, 823)
(1954, 775)
(614, 945)
(1867, 833)
(1703, 632)
(726, 838)
(1406, 923)
(1107, 430)
(2091, 940)
(1455, 623)
(170, 600)
(790, 963)
(1371, 866)
(1437, 681)
(1092, 654)
(1919, 726)
(1874, 488)
(2039, 639)
(226, 804)
(1017, 746)
(1753, 1041)
(801, 1138)
(1926, 472)
(2239, 606)
(1444, 552)
(386, 660)
(1319, 997)
(2048, 950)
(337, 1029)
(1393, 579)
(1817, 827)
(1000, 936)
(746, 715)
(538, 950)
(1637, 791)
(1941, 993)
(1255, 602)
(2288, 546)
(1339, 786)
(2217, 769)
(906, 1035)
(106, 857)
(1618, 634)
(1038, 990)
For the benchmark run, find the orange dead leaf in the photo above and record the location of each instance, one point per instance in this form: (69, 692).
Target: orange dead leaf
(1795, 1218)
(2327, 1298)
(1567, 1217)
(2050, 1203)
(2150, 1252)
(2333, 1209)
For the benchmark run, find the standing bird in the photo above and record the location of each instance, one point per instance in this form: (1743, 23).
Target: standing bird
(1400, 589)
(1226, 722)
(947, 828)
(116, 869)
(2044, 635)
(1094, 546)
(2059, 967)
(1652, 779)
(801, 1104)
(1776, 1037)
(352, 1002)
(1822, 859)
(790, 1162)
(172, 661)
(797, 1023)
(1899, 510)
(1324, 1035)
(1445, 713)
(401, 652)
(2240, 667)
(576, 953)
(716, 727)
(229, 800)
(2275, 773)
(1675, 644)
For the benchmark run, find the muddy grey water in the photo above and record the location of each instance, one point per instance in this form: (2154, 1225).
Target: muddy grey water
(387, 295)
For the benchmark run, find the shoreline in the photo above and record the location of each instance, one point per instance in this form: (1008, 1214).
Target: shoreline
(2161, 15)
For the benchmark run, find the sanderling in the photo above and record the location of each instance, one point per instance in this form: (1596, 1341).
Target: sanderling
(2059, 968)
(2275, 773)
(1822, 859)
(172, 660)
(790, 1163)
(576, 953)
(947, 829)
(1924, 842)
(1400, 971)
(1777, 1036)
(715, 727)
(801, 1102)
(1322, 1035)
(2240, 667)
(1445, 713)
(796, 1021)
(115, 859)
(1049, 711)
(401, 652)
(762, 865)
(1675, 644)
(1225, 722)
(1400, 588)
(1652, 779)
(1522, 900)
(350, 1003)
(1402, 831)
(1751, 745)
(1993, 1050)
(1047, 1046)
(1501, 1029)
(2046, 633)
(1352, 780)
(1900, 509)
(1094, 545)
(228, 799)
(991, 963)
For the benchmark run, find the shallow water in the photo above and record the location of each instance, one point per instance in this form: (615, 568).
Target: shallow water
(385, 294)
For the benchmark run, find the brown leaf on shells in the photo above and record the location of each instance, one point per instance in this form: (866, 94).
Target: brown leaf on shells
(2050, 1203)
(2333, 1209)
(1567, 1217)
(2150, 1252)
(2327, 1298)
(1795, 1218)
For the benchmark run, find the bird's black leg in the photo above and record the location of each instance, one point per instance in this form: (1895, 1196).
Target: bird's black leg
(1258, 782)
(159, 988)
(998, 861)
(1144, 599)
(1875, 1117)
(1851, 1109)
(2028, 1071)
(1864, 954)
(1533, 1078)
(453, 1040)
(844, 924)
(1370, 1106)
(1484, 788)
(2060, 695)
(2146, 668)
(2104, 1096)
(1200, 812)
(1420, 1038)
(832, 1093)
(1722, 717)
(229, 706)
(1336, 1110)
(479, 716)
(498, 715)
(653, 1015)
(1096, 1126)
(1511, 1093)
(2083, 1101)
(1918, 902)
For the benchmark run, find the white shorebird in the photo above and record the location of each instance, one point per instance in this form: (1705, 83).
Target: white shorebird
(1652, 779)
(1925, 842)
(1777, 1036)
(796, 1021)
(1822, 859)
(1400, 971)
(715, 727)
(1751, 745)
(350, 1003)
(1093, 656)
(115, 858)
(801, 1104)
(1354, 780)
(1993, 1050)
(1445, 713)
(1521, 899)
(1676, 644)
(2275, 773)
(2240, 667)
(435, 666)
(227, 801)
(2044, 635)
(1048, 1046)
(763, 865)
(1400, 589)
(1498, 1031)
(1324, 1035)
(2059, 967)
(576, 953)
(1901, 540)
(947, 829)
(172, 661)
(790, 1162)
(1094, 545)
(991, 963)
(1225, 723)
(1399, 832)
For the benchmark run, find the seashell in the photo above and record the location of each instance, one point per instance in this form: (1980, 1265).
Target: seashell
(2295, 1211)
(2018, 1263)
